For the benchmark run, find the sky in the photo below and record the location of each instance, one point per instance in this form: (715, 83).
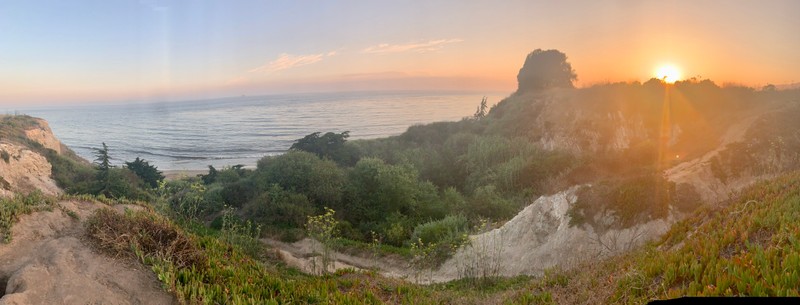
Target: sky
(54, 52)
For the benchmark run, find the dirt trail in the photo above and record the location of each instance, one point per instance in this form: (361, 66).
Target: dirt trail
(303, 255)
(48, 262)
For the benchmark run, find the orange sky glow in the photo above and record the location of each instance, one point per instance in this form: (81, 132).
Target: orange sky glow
(165, 50)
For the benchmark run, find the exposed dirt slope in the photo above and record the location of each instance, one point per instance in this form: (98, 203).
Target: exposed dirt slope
(48, 262)
(539, 238)
(24, 171)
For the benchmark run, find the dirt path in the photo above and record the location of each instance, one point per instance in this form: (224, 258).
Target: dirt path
(48, 262)
(303, 255)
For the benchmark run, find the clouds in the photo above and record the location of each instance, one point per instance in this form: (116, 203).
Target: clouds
(287, 61)
(419, 47)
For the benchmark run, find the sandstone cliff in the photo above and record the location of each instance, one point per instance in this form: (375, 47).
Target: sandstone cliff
(23, 167)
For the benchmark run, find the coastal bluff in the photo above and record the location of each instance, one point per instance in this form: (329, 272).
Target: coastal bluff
(23, 167)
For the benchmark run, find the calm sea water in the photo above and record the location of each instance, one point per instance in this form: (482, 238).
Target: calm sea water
(194, 134)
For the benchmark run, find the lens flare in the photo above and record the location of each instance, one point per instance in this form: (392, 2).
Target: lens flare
(668, 73)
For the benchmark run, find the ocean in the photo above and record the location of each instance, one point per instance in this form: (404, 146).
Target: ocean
(190, 135)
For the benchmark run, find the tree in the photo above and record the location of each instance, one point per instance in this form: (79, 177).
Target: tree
(102, 159)
(480, 113)
(211, 177)
(103, 166)
(149, 173)
(545, 70)
(330, 145)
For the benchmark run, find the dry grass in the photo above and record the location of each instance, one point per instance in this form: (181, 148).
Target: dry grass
(148, 233)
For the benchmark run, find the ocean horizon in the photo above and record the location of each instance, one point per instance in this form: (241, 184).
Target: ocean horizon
(193, 134)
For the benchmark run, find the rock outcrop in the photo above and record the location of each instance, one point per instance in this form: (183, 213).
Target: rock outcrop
(43, 135)
(23, 170)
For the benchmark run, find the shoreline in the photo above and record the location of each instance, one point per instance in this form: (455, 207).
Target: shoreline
(174, 174)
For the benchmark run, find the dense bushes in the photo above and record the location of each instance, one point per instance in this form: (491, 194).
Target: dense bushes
(304, 173)
(629, 201)
(483, 178)
(72, 175)
(444, 230)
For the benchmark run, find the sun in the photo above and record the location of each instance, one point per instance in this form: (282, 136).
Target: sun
(668, 73)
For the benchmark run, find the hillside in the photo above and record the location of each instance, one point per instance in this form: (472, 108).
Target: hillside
(622, 192)
(747, 248)
(24, 167)
(43, 248)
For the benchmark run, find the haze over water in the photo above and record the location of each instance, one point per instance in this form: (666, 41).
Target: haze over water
(222, 132)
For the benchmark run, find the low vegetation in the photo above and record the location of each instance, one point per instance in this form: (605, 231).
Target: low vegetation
(12, 208)
(749, 248)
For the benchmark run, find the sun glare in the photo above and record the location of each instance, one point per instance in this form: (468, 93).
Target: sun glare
(668, 73)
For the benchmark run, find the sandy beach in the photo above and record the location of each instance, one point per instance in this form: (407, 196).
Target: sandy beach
(173, 174)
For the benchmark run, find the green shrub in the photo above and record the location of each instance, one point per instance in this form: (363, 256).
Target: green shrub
(123, 183)
(279, 208)
(241, 233)
(12, 208)
(304, 173)
(5, 156)
(444, 236)
(488, 202)
(631, 200)
(71, 174)
(437, 231)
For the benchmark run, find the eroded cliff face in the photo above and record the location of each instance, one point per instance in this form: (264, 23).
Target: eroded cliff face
(43, 135)
(540, 237)
(595, 133)
(566, 121)
(23, 169)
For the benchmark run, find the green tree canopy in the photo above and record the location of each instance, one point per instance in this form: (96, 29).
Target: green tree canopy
(544, 69)
(330, 145)
(102, 159)
(149, 173)
(304, 173)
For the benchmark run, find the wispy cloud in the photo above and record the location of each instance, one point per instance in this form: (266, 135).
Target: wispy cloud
(419, 47)
(155, 5)
(286, 61)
